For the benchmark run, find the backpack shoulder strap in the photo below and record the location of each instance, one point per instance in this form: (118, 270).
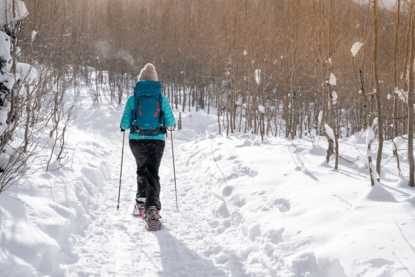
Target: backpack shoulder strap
(161, 116)
(136, 105)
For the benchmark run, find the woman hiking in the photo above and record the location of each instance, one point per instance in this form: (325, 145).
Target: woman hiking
(146, 114)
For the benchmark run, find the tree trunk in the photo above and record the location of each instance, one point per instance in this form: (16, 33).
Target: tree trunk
(395, 74)
(377, 94)
(411, 100)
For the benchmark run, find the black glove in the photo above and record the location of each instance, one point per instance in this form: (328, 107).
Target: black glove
(122, 130)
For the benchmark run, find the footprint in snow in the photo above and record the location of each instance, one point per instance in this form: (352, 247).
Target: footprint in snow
(227, 191)
(282, 204)
(220, 210)
(253, 172)
(240, 202)
(254, 231)
(237, 218)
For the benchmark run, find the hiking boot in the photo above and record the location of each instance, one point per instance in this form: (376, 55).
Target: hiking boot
(153, 219)
(139, 210)
(139, 207)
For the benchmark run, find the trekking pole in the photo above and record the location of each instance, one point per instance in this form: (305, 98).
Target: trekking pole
(122, 157)
(174, 168)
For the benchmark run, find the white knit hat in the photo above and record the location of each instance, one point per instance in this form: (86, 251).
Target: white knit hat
(148, 73)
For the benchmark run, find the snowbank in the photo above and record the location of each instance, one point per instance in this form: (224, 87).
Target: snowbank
(45, 216)
(6, 11)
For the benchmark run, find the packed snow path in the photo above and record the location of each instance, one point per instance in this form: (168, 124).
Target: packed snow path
(117, 244)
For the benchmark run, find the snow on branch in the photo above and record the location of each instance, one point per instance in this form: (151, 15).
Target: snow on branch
(6, 12)
(34, 33)
(334, 97)
(329, 132)
(375, 122)
(5, 56)
(11, 11)
(403, 95)
(26, 73)
(367, 156)
(355, 48)
(370, 135)
(332, 80)
(320, 117)
(258, 76)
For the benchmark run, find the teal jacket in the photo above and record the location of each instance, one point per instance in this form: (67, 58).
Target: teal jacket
(126, 120)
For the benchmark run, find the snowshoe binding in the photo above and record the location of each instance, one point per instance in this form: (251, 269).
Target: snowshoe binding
(138, 210)
(153, 219)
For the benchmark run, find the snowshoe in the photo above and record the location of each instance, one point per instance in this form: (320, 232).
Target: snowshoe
(153, 219)
(138, 210)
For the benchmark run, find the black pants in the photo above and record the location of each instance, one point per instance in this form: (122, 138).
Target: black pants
(148, 154)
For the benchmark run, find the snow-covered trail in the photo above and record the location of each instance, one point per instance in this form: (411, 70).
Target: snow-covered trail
(117, 244)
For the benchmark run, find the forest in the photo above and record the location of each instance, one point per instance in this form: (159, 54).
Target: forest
(290, 68)
(280, 143)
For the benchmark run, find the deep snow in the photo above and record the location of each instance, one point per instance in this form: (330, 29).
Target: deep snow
(246, 208)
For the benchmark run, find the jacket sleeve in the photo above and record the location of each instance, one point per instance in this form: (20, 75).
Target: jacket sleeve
(169, 119)
(128, 114)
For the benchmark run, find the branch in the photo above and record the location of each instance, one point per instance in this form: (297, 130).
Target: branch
(343, 200)
(402, 264)
(400, 230)
(211, 147)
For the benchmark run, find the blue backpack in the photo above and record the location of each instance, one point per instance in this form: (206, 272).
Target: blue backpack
(148, 117)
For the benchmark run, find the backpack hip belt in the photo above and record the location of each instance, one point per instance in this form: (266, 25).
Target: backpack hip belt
(153, 132)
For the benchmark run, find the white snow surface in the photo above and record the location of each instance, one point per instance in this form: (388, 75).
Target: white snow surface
(399, 142)
(246, 208)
